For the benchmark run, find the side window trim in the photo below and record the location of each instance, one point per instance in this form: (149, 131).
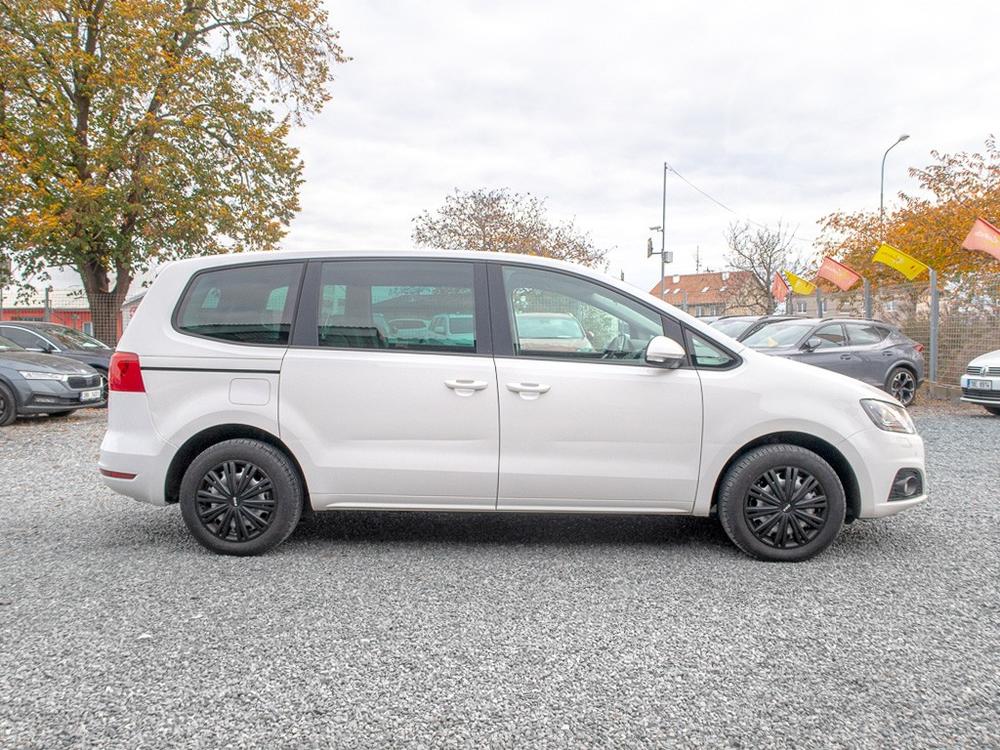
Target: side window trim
(295, 296)
(304, 332)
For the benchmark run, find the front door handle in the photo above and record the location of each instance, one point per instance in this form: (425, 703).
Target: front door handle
(466, 387)
(528, 391)
(845, 356)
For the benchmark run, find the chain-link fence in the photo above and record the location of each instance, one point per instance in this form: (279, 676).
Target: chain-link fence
(968, 317)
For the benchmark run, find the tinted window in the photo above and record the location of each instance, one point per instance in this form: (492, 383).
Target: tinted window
(416, 305)
(865, 334)
(22, 337)
(244, 305)
(830, 336)
(556, 315)
(7, 345)
(706, 354)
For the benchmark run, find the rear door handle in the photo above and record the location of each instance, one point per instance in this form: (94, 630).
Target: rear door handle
(528, 391)
(466, 387)
(845, 356)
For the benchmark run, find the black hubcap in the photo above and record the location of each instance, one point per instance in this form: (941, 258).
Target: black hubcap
(236, 501)
(903, 386)
(786, 507)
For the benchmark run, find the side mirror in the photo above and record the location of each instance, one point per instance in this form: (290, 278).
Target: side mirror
(662, 351)
(812, 343)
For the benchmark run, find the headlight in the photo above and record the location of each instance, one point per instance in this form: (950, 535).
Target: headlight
(888, 417)
(33, 375)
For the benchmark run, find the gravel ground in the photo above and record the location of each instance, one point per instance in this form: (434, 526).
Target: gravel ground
(435, 630)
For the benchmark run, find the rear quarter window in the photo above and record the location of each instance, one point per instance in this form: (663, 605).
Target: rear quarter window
(242, 304)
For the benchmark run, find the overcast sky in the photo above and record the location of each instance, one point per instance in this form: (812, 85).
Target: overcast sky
(779, 110)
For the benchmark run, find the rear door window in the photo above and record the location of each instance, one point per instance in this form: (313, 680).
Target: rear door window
(865, 334)
(242, 305)
(397, 304)
(831, 336)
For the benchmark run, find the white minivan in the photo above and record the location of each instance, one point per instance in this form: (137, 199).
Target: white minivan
(248, 388)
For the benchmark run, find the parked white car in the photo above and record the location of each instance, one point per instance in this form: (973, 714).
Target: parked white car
(981, 382)
(248, 387)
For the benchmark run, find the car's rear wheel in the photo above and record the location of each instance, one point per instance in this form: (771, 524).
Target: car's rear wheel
(241, 497)
(901, 384)
(781, 502)
(8, 406)
(994, 410)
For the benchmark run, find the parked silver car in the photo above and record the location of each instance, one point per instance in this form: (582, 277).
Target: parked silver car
(868, 350)
(981, 382)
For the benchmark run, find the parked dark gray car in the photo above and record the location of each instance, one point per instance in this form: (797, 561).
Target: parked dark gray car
(52, 338)
(33, 383)
(868, 350)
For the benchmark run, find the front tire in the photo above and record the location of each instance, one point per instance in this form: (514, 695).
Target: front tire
(8, 406)
(781, 503)
(241, 497)
(901, 384)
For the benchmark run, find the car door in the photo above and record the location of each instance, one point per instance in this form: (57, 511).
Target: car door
(589, 425)
(868, 347)
(833, 351)
(381, 417)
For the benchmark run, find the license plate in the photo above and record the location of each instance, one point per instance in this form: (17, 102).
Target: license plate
(981, 385)
(90, 395)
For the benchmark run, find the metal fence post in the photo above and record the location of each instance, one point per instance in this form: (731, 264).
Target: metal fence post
(868, 299)
(47, 311)
(819, 302)
(935, 312)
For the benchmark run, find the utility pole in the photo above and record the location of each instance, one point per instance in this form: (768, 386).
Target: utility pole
(665, 257)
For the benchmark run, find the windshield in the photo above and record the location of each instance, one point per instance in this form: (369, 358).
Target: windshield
(69, 338)
(732, 327)
(778, 334)
(6, 345)
(548, 328)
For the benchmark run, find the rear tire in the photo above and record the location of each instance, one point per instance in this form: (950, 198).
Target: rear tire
(8, 406)
(994, 410)
(241, 497)
(781, 503)
(901, 384)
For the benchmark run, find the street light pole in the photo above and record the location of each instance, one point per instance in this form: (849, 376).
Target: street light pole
(881, 195)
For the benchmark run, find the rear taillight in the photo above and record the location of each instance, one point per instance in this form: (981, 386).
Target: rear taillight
(919, 348)
(124, 373)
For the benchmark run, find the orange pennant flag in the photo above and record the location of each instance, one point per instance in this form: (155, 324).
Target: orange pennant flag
(984, 236)
(838, 273)
(779, 288)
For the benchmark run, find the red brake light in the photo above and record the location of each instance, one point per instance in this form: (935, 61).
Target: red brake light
(124, 373)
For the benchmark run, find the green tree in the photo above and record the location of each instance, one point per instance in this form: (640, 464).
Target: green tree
(140, 131)
(504, 222)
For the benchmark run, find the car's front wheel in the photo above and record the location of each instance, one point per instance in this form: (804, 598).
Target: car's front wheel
(241, 497)
(8, 406)
(901, 384)
(781, 502)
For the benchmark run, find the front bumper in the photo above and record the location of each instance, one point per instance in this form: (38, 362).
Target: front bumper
(877, 457)
(979, 395)
(48, 396)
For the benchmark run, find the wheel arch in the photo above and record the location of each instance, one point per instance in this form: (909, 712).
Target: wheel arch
(822, 448)
(217, 434)
(906, 365)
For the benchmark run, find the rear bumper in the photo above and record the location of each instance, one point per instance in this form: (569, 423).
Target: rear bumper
(132, 446)
(877, 457)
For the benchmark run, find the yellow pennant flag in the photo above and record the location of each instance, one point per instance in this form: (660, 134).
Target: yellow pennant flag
(900, 261)
(799, 285)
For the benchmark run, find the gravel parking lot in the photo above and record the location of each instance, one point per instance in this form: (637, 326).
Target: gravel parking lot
(454, 630)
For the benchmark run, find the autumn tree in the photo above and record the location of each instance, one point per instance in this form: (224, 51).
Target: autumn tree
(760, 252)
(148, 130)
(955, 189)
(506, 222)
